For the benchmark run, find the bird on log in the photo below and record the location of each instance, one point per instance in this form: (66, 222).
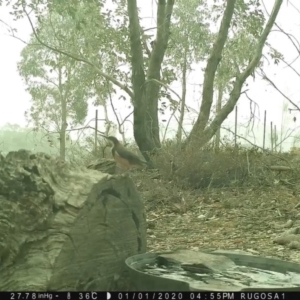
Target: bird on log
(125, 158)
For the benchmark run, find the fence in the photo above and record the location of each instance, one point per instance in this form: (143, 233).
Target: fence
(268, 136)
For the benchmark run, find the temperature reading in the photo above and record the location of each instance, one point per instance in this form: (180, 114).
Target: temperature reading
(88, 296)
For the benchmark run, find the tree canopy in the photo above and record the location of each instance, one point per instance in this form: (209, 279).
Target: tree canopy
(93, 50)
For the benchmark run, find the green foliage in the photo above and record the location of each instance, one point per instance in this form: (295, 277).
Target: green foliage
(190, 31)
(52, 78)
(189, 43)
(102, 34)
(194, 28)
(88, 31)
(247, 25)
(84, 29)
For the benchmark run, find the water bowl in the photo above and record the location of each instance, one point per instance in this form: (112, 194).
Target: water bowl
(186, 270)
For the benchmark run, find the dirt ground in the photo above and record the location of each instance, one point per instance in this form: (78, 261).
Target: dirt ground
(247, 219)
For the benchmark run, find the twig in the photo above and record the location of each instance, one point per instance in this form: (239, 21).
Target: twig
(273, 84)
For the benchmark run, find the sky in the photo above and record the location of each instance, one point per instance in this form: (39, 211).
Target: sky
(15, 100)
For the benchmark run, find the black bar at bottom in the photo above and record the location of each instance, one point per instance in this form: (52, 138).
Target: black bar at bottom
(280, 295)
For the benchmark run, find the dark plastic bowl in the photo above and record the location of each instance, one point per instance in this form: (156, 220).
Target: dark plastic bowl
(145, 282)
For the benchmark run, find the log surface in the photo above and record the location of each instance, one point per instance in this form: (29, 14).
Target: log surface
(64, 228)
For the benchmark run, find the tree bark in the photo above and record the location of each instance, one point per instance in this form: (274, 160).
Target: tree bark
(210, 71)
(183, 96)
(64, 228)
(201, 131)
(146, 90)
(218, 109)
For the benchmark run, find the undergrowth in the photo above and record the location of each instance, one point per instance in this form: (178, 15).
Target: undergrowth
(228, 166)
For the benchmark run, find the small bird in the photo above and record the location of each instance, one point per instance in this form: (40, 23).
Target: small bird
(124, 157)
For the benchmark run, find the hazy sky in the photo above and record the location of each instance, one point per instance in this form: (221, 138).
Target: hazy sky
(15, 100)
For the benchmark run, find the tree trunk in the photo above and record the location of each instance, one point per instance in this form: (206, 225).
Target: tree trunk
(64, 228)
(218, 109)
(183, 96)
(201, 132)
(146, 92)
(210, 71)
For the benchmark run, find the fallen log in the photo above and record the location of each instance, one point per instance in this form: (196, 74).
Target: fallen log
(65, 228)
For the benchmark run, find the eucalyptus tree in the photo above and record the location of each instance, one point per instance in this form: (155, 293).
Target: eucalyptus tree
(238, 51)
(59, 86)
(118, 31)
(241, 38)
(189, 45)
(101, 29)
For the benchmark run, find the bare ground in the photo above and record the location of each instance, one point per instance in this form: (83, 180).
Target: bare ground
(246, 219)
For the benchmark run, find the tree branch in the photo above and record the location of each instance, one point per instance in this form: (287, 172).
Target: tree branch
(211, 68)
(278, 90)
(137, 62)
(236, 92)
(164, 12)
